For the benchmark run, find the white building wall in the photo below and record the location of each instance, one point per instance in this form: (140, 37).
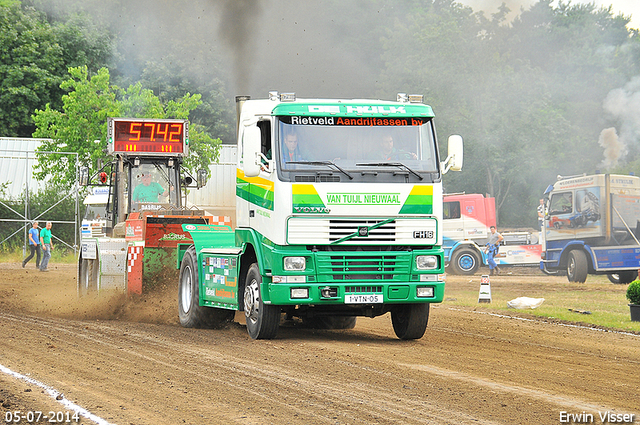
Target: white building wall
(17, 161)
(219, 195)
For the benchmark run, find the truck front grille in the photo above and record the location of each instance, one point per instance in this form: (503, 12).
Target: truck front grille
(354, 266)
(339, 229)
(306, 230)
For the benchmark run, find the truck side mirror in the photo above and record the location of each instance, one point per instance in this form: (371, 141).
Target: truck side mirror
(83, 177)
(455, 151)
(201, 178)
(251, 151)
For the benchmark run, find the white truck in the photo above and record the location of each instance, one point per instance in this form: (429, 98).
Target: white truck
(338, 215)
(94, 220)
(592, 226)
(467, 219)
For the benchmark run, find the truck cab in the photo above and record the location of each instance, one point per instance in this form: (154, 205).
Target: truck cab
(338, 215)
(592, 226)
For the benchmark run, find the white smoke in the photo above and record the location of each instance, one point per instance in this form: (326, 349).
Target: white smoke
(613, 148)
(622, 104)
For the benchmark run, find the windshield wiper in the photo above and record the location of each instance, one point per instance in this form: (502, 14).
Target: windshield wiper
(329, 163)
(390, 164)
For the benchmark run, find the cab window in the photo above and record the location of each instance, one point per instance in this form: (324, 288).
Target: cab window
(561, 203)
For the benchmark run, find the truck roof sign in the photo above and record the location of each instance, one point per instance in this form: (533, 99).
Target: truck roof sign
(353, 109)
(151, 136)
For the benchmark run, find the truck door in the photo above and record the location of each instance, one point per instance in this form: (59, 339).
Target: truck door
(453, 224)
(262, 186)
(254, 188)
(473, 228)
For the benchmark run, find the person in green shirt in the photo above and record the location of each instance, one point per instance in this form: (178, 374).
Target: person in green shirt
(148, 191)
(47, 246)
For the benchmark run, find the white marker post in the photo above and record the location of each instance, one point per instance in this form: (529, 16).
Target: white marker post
(485, 289)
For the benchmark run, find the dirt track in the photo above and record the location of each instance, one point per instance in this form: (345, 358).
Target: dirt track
(129, 362)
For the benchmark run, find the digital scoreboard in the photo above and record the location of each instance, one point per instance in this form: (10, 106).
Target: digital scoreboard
(148, 136)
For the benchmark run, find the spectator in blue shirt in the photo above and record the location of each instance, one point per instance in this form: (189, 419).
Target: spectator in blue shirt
(34, 245)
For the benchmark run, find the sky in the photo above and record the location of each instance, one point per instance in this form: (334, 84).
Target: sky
(626, 7)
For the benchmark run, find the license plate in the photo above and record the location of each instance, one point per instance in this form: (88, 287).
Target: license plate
(363, 299)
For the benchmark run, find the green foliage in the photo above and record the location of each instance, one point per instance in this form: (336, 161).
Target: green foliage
(31, 67)
(84, 43)
(633, 292)
(34, 57)
(81, 125)
(82, 120)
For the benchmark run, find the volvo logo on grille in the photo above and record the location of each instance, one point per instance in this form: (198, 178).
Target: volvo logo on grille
(423, 234)
(363, 231)
(319, 210)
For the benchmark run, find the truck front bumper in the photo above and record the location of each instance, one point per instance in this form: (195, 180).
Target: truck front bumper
(332, 293)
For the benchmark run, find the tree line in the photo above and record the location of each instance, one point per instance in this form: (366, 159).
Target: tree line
(531, 95)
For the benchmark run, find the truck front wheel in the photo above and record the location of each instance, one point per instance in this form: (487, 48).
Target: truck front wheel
(465, 261)
(410, 320)
(262, 319)
(191, 313)
(577, 268)
(87, 277)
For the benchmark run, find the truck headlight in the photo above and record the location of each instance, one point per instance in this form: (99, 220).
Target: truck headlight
(426, 262)
(424, 292)
(295, 263)
(299, 293)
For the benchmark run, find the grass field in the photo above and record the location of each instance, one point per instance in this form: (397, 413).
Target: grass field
(597, 302)
(57, 256)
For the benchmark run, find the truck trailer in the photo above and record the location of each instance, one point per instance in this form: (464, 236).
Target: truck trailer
(338, 215)
(592, 226)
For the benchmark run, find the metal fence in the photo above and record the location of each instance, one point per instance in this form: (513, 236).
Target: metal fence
(16, 165)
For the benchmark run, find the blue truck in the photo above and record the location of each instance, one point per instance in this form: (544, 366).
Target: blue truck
(592, 226)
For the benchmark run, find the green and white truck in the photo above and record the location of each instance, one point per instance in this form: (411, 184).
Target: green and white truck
(338, 215)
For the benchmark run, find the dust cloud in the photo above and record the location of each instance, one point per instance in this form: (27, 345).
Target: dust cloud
(55, 295)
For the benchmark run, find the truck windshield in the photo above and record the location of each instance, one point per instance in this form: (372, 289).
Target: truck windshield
(153, 183)
(95, 212)
(353, 151)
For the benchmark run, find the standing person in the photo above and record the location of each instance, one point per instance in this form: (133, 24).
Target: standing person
(492, 249)
(47, 246)
(541, 214)
(34, 245)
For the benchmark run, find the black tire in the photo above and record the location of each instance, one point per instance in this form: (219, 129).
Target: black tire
(622, 278)
(614, 278)
(190, 312)
(331, 322)
(465, 261)
(87, 277)
(262, 319)
(410, 320)
(577, 267)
